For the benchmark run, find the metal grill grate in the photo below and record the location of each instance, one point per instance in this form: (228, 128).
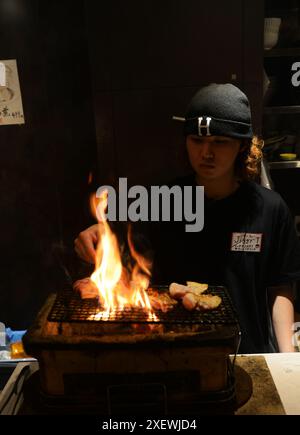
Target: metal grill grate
(69, 307)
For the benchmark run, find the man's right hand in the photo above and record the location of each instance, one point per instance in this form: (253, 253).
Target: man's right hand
(86, 242)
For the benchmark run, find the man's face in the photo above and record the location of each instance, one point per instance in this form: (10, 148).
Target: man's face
(212, 157)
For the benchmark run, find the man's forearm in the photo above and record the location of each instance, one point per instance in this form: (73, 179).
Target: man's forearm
(282, 311)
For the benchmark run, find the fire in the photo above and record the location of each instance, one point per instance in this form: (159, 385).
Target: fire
(119, 287)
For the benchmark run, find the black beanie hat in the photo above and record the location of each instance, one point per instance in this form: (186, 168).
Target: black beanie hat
(219, 110)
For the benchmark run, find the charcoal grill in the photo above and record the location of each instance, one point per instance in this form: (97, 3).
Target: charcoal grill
(182, 360)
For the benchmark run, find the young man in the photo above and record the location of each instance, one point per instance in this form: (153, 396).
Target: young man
(248, 242)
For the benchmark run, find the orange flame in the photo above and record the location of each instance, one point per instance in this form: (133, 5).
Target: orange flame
(118, 287)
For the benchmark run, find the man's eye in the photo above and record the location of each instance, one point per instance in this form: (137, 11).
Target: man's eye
(221, 141)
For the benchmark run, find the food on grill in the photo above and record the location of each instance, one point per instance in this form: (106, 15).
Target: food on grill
(178, 291)
(161, 300)
(86, 288)
(192, 301)
(192, 297)
(197, 287)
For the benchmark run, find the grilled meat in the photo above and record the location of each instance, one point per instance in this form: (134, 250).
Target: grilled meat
(192, 297)
(192, 301)
(86, 288)
(196, 287)
(178, 291)
(161, 300)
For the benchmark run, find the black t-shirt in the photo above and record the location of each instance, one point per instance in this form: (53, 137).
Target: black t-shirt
(252, 218)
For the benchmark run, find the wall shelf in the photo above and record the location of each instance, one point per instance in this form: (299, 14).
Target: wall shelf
(292, 164)
(287, 110)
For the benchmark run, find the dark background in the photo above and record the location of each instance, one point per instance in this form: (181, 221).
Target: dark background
(100, 82)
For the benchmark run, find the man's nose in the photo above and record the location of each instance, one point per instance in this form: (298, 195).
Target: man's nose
(207, 151)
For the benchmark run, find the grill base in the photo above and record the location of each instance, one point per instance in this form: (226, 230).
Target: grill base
(208, 366)
(139, 399)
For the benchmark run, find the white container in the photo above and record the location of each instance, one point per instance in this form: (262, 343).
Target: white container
(271, 32)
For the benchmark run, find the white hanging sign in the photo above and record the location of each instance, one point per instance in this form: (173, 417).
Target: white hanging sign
(11, 108)
(2, 74)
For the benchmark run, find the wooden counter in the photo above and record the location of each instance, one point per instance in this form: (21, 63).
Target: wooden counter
(276, 383)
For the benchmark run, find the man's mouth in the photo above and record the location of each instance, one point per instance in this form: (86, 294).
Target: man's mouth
(207, 166)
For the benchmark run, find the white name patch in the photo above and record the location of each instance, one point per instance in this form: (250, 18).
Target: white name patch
(246, 242)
